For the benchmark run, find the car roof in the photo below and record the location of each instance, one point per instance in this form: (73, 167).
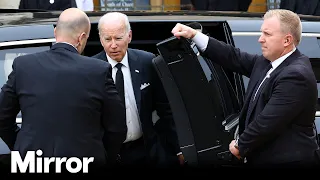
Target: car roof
(40, 24)
(19, 18)
(16, 17)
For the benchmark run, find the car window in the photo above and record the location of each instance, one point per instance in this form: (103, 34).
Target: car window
(215, 74)
(248, 44)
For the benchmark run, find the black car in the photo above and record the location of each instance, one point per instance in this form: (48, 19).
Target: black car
(29, 32)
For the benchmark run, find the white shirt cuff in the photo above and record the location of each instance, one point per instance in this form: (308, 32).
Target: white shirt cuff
(201, 41)
(179, 153)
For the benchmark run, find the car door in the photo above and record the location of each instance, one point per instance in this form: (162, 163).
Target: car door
(16, 41)
(204, 97)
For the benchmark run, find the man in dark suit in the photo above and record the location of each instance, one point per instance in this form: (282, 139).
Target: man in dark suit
(69, 103)
(141, 90)
(276, 124)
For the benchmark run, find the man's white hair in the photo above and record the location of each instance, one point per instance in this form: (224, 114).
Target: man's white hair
(114, 15)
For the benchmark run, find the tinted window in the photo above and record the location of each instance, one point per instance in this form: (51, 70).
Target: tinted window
(248, 44)
(216, 75)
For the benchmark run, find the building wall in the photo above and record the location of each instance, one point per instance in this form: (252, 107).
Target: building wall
(9, 4)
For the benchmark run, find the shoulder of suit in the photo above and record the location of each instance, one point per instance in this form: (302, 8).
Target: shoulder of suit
(29, 57)
(99, 54)
(95, 60)
(140, 52)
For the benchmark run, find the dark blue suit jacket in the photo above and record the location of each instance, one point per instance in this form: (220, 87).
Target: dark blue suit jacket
(67, 101)
(280, 129)
(160, 140)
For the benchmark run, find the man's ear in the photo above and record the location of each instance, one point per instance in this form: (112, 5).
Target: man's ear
(288, 40)
(54, 32)
(130, 35)
(101, 39)
(82, 38)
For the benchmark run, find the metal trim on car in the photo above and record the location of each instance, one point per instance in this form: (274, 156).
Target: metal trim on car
(34, 41)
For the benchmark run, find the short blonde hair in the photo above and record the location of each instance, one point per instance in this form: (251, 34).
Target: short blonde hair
(289, 22)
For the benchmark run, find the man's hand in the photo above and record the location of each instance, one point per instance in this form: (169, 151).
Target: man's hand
(181, 30)
(234, 150)
(181, 159)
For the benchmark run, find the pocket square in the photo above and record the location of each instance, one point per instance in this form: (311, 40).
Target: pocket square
(144, 85)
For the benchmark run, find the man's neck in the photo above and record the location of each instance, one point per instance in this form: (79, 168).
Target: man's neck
(67, 43)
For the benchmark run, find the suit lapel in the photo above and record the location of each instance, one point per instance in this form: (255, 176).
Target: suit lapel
(102, 55)
(256, 83)
(285, 63)
(135, 70)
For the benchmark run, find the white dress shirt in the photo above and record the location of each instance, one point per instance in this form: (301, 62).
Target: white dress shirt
(132, 115)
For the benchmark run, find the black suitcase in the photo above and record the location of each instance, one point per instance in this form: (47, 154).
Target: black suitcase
(195, 99)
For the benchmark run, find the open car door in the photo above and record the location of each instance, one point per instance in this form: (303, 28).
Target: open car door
(204, 99)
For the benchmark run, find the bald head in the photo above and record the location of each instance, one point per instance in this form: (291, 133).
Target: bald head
(71, 23)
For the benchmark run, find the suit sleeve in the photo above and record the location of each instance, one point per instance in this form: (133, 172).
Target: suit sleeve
(9, 108)
(114, 119)
(165, 126)
(286, 102)
(230, 57)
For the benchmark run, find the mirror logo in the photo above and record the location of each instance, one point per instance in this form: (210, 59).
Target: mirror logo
(37, 164)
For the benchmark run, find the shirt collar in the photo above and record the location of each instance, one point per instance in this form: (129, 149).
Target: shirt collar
(124, 61)
(278, 61)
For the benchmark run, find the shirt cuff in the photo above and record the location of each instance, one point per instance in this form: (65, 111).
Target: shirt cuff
(201, 40)
(179, 153)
